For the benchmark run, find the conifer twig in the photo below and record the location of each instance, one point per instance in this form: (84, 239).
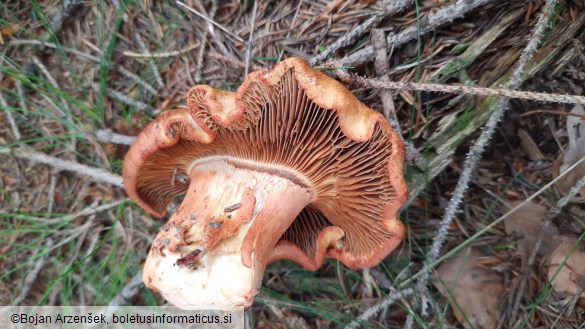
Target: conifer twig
(395, 7)
(441, 17)
(249, 45)
(108, 136)
(461, 89)
(10, 118)
(98, 175)
(31, 277)
(391, 299)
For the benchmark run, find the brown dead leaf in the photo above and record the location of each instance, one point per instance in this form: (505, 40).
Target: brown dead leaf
(566, 269)
(574, 152)
(472, 290)
(525, 223)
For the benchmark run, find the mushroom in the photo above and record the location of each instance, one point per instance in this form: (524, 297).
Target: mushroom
(291, 166)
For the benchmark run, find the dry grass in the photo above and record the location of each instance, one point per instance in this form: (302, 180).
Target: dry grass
(67, 73)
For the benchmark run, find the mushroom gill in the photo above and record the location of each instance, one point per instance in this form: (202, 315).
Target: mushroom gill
(290, 135)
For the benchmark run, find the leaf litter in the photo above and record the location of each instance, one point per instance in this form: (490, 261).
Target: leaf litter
(472, 289)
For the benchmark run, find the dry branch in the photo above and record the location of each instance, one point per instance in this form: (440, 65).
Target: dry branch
(442, 17)
(98, 175)
(463, 90)
(395, 7)
(386, 302)
(108, 136)
(31, 277)
(10, 118)
(251, 38)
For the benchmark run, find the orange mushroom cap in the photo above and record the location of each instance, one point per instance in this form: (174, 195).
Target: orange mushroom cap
(296, 123)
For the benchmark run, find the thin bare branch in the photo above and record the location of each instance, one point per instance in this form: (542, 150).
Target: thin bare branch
(249, 45)
(201, 52)
(130, 290)
(98, 175)
(441, 17)
(153, 67)
(129, 101)
(10, 118)
(221, 27)
(31, 277)
(479, 91)
(161, 55)
(386, 302)
(354, 34)
(108, 136)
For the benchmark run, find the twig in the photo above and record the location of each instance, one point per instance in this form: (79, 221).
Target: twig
(153, 67)
(87, 211)
(201, 52)
(368, 283)
(10, 118)
(479, 91)
(251, 38)
(381, 67)
(51, 194)
(232, 61)
(568, 114)
(292, 26)
(160, 55)
(391, 299)
(395, 7)
(129, 101)
(95, 237)
(33, 274)
(98, 175)
(65, 114)
(114, 66)
(209, 20)
(476, 151)
(21, 98)
(441, 17)
(128, 292)
(107, 136)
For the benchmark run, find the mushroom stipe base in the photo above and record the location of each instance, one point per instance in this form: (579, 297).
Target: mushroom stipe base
(230, 250)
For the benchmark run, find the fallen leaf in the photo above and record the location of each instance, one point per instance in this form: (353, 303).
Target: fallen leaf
(566, 269)
(526, 224)
(574, 152)
(472, 290)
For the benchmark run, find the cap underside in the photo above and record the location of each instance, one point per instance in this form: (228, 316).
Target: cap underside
(288, 130)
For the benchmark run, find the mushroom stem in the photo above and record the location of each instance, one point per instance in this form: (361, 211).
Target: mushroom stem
(213, 251)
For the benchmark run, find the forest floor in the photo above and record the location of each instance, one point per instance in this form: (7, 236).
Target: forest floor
(78, 78)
